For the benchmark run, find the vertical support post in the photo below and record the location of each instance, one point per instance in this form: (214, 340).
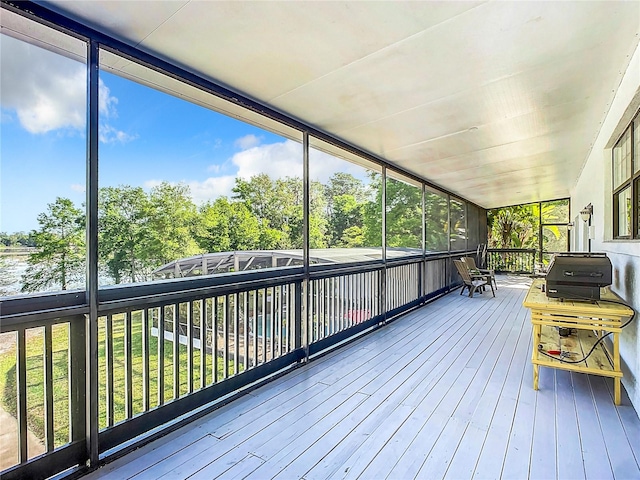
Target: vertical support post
(303, 322)
(588, 235)
(449, 218)
(540, 232)
(91, 396)
(78, 378)
(263, 306)
(423, 264)
(297, 339)
(190, 362)
(466, 226)
(383, 272)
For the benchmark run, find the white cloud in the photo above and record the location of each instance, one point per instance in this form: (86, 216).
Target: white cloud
(149, 184)
(247, 142)
(279, 160)
(202, 192)
(109, 134)
(284, 159)
(76, 187)
(211, 188)
(46, 90)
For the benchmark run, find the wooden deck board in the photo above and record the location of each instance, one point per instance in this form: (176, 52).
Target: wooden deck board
(445, 391)
(570, 463)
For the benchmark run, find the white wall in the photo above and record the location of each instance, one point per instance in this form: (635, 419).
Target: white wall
(594, 186)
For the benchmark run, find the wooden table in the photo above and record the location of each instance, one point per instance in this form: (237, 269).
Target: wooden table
(590, 321)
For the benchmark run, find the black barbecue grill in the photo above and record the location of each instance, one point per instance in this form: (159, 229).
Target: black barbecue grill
(578, 276)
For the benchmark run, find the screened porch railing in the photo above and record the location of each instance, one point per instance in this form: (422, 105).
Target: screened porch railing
(511, 260)
(170, 350)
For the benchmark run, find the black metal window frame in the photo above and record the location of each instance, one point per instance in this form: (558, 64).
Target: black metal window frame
(632, 183)
(542, 250)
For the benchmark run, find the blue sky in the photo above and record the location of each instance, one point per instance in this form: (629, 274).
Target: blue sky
(146, 136)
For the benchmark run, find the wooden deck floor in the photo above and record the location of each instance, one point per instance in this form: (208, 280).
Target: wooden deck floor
(444, 392)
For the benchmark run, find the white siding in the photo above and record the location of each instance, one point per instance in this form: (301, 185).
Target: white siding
(594, 186)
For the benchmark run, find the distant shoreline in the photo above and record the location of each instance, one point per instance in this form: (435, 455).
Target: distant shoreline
(17, 251)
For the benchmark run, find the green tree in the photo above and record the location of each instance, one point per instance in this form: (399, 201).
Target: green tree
(277, 204)
(172, 215)
(513, 227)
(16, 239)
(436, 222)
(372, 220)
(346, 222)
(60, 241)
(404, 214)
(123, 219)
(225, 226)
(345, 200)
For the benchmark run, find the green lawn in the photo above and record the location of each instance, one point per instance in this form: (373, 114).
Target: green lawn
(60, 337)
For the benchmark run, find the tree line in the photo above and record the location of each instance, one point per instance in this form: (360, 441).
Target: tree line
(518, 226)
(140, 231)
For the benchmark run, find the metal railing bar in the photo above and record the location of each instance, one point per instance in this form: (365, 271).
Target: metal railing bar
(190, 364)
(193, 288)
(118, 434)
(331, 307)
(21, 369)
(280, 318)
(161, 328)
(264, 325)
(34, 319)
(60, 459)
(48, 387)
(254, 322)
(225, 335)
(272, 290)
(245, 328)
(204, 341)
(49, 304)
(108, 349)
(176, 351)
(236, 333)
(214, 338)
(145, 359)
(128, 366)
(79, 371)
(289, 312)
(32, 311)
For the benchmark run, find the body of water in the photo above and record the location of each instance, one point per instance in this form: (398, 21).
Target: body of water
(12, 267)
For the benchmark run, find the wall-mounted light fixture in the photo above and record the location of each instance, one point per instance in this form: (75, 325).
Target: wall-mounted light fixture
(586, 213)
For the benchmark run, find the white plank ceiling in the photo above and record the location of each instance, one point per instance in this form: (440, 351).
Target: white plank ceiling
(496, 101)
